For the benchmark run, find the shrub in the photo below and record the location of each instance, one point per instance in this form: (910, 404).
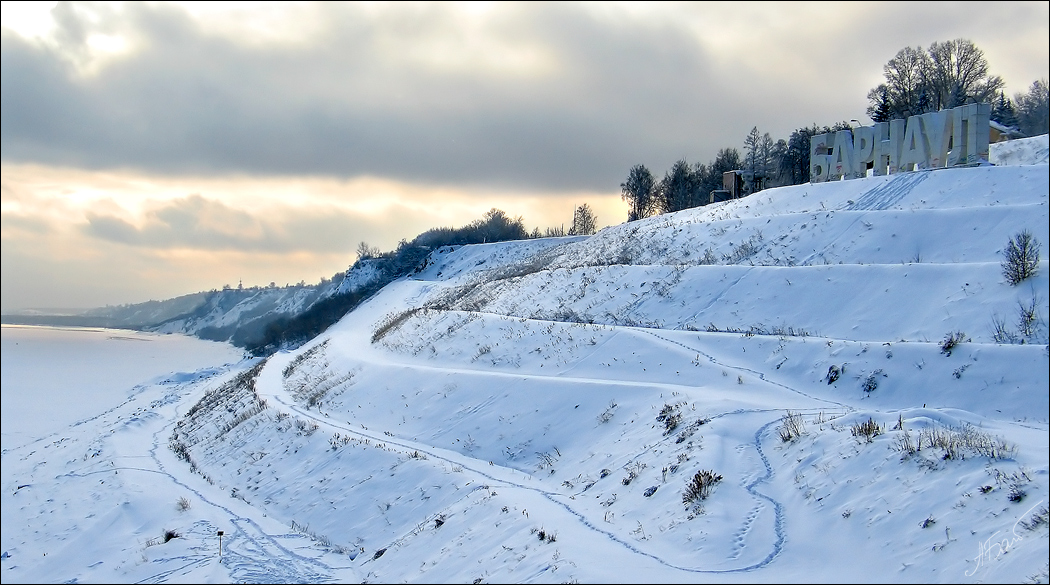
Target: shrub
(1040, 518)
(903, 443)
(1016, 494)
(868, 430)
(1000, 332)
(956, 442)
(670, 416)
(482, 350)
(1021, 257)
(951, 340)
(791, 426)
(1029, 325)
(1027, 318)
(872, 381)
(743, 251)
(833, 373)
(700, 486)
(392, 321)
(170, 534)
(299, 359)
(690, 429)
(183, 504)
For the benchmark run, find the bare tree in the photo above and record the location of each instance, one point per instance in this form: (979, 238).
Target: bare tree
(960, 75)
(907, 74)
(364, 251)
(777, 155)
(947, 75)
(639, 191)
(1033, 109)
(584, 222)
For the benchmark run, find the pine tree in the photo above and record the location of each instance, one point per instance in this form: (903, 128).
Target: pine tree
(794, 166)
(752, 147)
(1003, 112)
(880, 110)
(766, 165)
(924, 104)
(679, 189)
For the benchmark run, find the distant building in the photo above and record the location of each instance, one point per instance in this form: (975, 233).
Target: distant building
(999, 133)
(734, 186)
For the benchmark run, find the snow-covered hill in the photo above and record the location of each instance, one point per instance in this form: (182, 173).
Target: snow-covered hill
(240, 315)
(237, 315)
(842, 368)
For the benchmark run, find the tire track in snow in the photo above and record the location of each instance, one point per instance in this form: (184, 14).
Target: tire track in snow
(890, 193)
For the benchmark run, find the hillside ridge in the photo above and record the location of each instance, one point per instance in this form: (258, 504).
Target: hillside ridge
(574, 392)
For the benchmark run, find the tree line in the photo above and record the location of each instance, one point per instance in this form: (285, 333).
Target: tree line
(950, 74)
(494, 226)
(765, 163)
(946, 75)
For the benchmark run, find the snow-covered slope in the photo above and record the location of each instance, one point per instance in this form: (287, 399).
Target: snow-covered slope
(1026, 151)
(846, 358)
(235, 315)
(239, 315)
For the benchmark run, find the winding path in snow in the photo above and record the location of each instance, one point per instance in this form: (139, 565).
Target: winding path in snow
(249, 552)
(269, 386)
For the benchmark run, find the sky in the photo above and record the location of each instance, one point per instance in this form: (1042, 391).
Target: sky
(151, 150)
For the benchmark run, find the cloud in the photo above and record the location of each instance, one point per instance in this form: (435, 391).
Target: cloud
(86, 238)
(197, 223)
(156, 149)
(546, 97)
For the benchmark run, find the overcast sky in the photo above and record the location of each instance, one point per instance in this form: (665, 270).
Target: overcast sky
(153, 150)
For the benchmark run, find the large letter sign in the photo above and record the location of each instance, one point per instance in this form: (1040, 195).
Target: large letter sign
(929, 141)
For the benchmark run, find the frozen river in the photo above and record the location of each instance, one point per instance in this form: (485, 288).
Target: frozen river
(55, 376)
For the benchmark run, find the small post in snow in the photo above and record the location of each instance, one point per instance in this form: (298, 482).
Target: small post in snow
(220, 545)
